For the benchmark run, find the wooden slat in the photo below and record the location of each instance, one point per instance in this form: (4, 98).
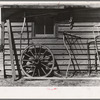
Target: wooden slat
(18, 24)
(80, 24)
(11, 50)
(61, 78)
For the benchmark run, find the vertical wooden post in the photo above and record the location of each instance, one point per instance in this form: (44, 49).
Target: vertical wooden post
(33, 30)
(2, 33)
(89, 60)
(27, 32)
(11, 49)
(56, 29)
(2, 47)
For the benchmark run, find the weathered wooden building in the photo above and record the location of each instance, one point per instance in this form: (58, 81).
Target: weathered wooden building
(45, 24)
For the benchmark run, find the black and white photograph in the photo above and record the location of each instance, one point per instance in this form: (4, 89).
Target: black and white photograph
(50, 44)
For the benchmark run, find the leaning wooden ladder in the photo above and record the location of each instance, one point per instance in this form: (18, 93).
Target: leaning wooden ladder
(11, 49)
(13, 53)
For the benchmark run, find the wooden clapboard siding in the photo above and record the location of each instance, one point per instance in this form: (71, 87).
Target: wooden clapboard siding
(84, 30)
(16, 30)
(55, 44)
(83, 27)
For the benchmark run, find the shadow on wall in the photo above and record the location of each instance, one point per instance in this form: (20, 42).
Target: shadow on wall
(1, 48)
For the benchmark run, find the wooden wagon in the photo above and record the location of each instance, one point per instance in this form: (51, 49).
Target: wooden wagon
(45, 24)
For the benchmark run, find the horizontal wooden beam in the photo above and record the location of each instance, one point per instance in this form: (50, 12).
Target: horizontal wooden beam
(63, 78)
(49, 4)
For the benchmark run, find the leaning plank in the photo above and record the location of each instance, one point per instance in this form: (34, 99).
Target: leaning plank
(11, 50)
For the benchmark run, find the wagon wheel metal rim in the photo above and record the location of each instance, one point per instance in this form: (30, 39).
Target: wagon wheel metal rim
(37, 61)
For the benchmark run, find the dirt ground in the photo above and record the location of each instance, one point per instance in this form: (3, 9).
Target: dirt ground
(22, 82)
(55, 82)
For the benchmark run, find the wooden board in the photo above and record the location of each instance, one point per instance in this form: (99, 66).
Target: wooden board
(11, 50)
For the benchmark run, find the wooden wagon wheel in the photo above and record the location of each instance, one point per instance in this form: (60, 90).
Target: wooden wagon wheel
(37, 61)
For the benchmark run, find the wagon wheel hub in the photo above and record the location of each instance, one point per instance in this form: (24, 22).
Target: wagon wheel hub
(37, 61)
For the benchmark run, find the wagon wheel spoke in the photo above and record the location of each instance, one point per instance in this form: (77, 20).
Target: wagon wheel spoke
(45, 57)
(45, 66)
(38, 72)
(32, 54)
(34, 71)
(39, 53)
(45, 61)
(35, 50)
(29, 65)
(43, 70)
(26, 66)
(27, 55)
(44, 53)
(29, 60)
